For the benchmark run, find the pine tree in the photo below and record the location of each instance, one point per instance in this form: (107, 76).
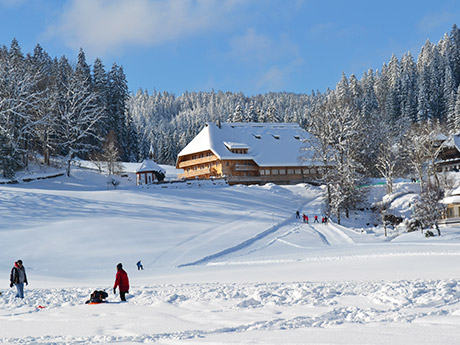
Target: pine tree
(456, 116)
(117, 107)
(100, 88)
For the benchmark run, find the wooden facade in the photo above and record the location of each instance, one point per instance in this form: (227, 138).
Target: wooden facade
(206, 165)
(145, 177)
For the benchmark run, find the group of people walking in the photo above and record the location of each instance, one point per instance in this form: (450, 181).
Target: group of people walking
(18, 278)
(305, 218)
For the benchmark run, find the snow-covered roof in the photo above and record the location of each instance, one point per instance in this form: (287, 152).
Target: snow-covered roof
(149, 165)
(453, 199)
(441, 137)
(268, 144)
(452, 142)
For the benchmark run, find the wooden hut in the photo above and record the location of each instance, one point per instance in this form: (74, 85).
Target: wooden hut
(149, 172)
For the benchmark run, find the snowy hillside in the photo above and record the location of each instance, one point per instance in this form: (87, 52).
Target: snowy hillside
(223, 265)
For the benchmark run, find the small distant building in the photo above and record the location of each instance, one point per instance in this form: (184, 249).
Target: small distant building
(250, 153)
(448, 154)
(452, 214)
(149, 172)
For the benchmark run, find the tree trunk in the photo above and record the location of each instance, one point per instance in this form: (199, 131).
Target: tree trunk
(69, 160)
(389, 185)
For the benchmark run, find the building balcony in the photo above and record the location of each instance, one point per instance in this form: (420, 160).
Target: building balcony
(197, 161)
(196, 173)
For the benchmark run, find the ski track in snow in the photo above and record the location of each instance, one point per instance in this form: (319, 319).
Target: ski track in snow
(318, 305)
(241, 245)
(330, 234)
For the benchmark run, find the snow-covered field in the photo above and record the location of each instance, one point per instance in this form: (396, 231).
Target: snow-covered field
(223, 265)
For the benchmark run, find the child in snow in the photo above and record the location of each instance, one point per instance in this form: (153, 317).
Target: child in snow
(97, 297)
(121, 281)
(139, 265)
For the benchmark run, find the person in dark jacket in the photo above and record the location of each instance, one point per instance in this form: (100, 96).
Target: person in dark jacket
(18, 278)
(122, 282)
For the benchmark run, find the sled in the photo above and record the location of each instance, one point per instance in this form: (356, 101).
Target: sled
(97, 302)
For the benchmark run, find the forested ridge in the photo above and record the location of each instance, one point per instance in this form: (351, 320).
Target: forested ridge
(49, 106)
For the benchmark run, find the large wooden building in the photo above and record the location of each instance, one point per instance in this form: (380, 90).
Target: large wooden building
(250, 153)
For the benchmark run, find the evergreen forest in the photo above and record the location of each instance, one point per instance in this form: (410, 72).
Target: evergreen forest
(51, 107)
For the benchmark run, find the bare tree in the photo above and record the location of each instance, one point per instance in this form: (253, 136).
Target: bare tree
(111, 154)
(420, 150)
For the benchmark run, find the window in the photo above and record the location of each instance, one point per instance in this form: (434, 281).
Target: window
(290, 171)
(282, 171)
(275, 172)
(262, 172)
(298, 171)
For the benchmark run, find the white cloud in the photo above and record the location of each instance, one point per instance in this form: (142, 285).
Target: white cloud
(275, 78)
(437, 20)
(272, 60)
(101, 26)
(255, 47)
(251, 46)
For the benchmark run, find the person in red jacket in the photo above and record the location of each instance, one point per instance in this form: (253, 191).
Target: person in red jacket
(121, 281)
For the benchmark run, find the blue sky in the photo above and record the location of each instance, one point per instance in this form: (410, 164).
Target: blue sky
(252, 46)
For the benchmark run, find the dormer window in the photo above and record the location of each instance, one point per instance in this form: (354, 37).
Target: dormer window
(238, 148)
(297, 137)
(257, 136)
(275, 136)
(239, 151)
